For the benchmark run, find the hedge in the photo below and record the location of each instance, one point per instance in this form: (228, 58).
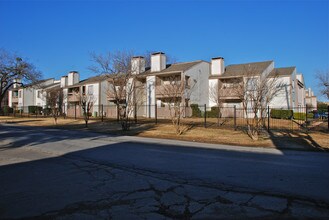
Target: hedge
(34, 109)
(302, 116)
(196, 112)
(213, 113)
(281, 113)
(47, 111)
(7, 110)
(89, 114)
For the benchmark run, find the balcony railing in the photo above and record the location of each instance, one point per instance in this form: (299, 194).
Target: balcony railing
(113, 97)
(14, 99)
(168, 91)
(229, 93)
(71, 97)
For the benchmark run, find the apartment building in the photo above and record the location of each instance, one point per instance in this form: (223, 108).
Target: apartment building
(41, 92)
(230, 79)
(191, 76)
(310, 99)
(30, 95)
(93, 89)
(203, 83)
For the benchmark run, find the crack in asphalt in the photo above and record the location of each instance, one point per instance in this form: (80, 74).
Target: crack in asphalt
(180, 208)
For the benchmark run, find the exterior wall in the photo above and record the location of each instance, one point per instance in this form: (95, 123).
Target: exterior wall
(103, 92)
(200, 91)
(137, 65)
(27, 98)
(20, 98)
(310, 99)
(73, 78)
(94, 97)
(10, 95)
(65, 100)
(158, 62)
(299, 91)
(217, 66)
(41, 100)
(150, 94)
(268, 69)
(64, 81)
(213, 88)
(283, 97)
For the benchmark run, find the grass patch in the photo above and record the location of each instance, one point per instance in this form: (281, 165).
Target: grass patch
(220, 135)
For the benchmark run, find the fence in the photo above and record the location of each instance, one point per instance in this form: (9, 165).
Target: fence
(210, 117)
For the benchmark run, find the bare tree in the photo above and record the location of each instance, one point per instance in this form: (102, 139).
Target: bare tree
(124, 88)
(15, 70)
(256, 92)
(323, 79)
(86, 102)
(126, 93)
(54, 101)
(175, 93)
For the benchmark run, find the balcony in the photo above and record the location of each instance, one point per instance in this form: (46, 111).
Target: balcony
(229, 93)
(164, 91)
(14, 99)
(73, 97)
(113, 97)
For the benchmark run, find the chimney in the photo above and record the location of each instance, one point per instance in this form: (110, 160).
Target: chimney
(73, 78)
(137, 65)
(158, 62)
(63, 81)
(217, 66)
(15, 85)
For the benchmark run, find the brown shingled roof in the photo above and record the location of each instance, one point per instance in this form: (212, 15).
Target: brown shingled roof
(283, 71)
(241, 69)
(93, 79)
(176, 67)
(52, 87)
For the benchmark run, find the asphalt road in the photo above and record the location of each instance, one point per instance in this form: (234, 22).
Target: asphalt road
(61, 174)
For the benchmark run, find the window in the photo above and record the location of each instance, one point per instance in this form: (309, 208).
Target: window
(19, 94)
(39, 94)
(90, 90)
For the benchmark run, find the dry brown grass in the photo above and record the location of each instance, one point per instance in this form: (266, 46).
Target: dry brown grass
(317, 139)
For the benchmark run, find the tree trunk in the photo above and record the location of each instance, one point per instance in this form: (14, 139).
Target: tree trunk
(1, 98)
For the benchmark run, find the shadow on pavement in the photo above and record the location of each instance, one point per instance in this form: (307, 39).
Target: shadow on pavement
(295, 141)
(105, 178)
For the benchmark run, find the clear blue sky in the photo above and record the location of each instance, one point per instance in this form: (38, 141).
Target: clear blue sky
(57, 36)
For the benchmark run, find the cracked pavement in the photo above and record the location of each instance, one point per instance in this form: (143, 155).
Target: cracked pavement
(52, 174)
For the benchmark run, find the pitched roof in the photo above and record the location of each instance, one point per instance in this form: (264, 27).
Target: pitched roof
(176, 67)
(241, 69)
(283, 71)
(90, 80)
(37, 84)
(51, 86)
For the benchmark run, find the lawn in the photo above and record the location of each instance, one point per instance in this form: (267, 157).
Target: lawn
(316, 139)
